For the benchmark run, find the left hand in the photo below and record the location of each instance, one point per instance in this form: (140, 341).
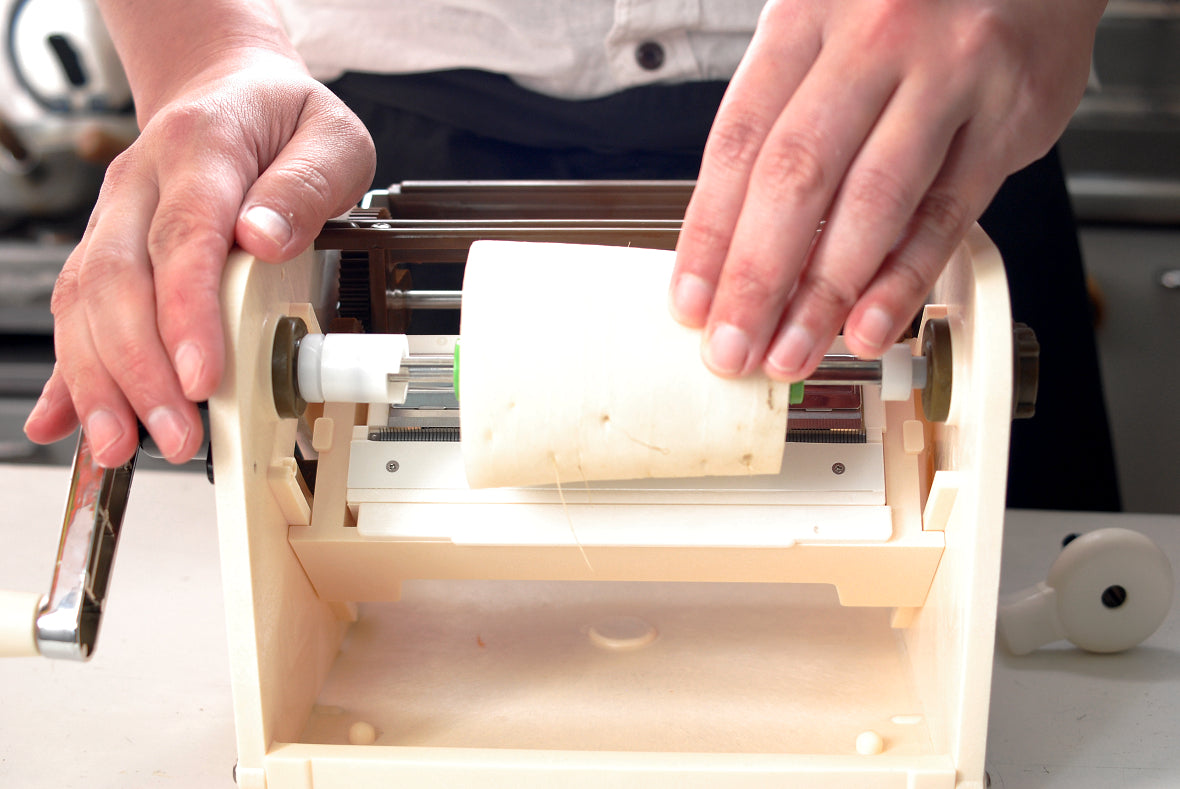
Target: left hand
(896, 121)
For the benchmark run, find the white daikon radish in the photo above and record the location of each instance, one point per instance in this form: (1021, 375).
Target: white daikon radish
(573, 369)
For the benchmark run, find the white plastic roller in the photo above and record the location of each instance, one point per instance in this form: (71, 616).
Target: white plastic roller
(352, 368)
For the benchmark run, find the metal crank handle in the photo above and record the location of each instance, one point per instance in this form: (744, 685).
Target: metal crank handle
(64, 624)
(1107, 591)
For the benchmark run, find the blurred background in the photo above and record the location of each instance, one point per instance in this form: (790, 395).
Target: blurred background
(65, 111)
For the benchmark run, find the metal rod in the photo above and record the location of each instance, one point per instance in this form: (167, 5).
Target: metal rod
(426, 372)
(835, 368)
(423, 299)
(424, 360)
(415, 378)
(846, 369)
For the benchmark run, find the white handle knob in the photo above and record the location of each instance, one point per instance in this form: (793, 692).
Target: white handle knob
(18, 618)
(1106, 592)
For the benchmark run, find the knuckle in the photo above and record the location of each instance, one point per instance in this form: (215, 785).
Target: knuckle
(793, 166)
(704, 233)
(176, 298)
(911, 276)
(185, 304)
(175, 227)
(105, 261)
(878, 192)
(310, 183)
(736, 138)
(137, 373)
(985, 35)
(942, 215)
(213, 134)
(887, 22)
(122, 168)
(331, 112)
(128, 172)
(341, 124)
(750, 286)
(182, 125)
(65, 292)
(831, 295)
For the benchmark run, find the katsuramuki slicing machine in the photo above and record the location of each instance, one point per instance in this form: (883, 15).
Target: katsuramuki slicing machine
(828, 626)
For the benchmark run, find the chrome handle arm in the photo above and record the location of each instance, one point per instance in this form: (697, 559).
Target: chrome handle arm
(68, 623)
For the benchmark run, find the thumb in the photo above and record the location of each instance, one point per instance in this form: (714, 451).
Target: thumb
(323, 171)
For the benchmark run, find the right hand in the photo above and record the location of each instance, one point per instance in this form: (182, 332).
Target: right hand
(254, 152)
(893, 123)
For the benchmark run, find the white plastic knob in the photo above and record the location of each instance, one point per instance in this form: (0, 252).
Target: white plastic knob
(897, 373)
(351, 368)
(18, 618)
(1106, 592)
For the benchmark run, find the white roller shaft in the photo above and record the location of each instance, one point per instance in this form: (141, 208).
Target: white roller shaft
(351, 368)
(572, 369)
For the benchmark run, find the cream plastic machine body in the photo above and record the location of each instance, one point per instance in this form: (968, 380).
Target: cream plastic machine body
(435, 657)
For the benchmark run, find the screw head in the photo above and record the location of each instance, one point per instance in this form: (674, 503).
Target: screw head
(1114, 596)
(392, 466)
(838, 468)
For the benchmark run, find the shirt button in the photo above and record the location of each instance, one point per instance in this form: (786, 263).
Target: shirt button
(649, 55)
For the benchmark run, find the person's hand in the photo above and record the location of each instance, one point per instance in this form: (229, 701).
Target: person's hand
(254, 152)
(895, 121)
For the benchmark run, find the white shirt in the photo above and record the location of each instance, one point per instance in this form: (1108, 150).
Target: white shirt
(567, 48)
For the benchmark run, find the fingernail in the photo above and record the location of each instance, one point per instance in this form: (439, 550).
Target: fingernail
(727, 350)
(169, 431)
(269, 223)
(103, 431)
(792, 350)
(37, 412)
(190, 363)
(875, 328)
(691, 299)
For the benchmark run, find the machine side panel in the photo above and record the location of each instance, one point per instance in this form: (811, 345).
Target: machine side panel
(281, 636)
(951, 641)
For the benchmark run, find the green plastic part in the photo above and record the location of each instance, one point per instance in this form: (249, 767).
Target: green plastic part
(796, 393)
(455, 374)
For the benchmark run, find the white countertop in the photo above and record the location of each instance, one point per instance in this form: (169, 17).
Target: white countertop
(153, 707)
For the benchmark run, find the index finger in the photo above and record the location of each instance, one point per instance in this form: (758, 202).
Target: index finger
(794, 179)
(776, 61)
(189, 240)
